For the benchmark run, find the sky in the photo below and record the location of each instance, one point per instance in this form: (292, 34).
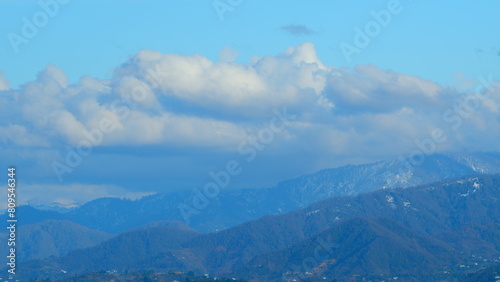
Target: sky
(127, 98)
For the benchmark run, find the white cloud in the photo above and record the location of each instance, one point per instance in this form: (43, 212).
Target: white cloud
(295, 78)
(53, 75)
(4, 83)
(190, 102)
(304, 54)
(371, 89)
(18, 135)
(227, 55)
(131, 88)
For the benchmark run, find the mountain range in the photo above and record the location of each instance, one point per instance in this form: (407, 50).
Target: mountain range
(431, 232)
(233, 207)
(52, 238)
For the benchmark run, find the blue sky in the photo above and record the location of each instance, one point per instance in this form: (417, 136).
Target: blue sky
(431, 40)
(221, 76)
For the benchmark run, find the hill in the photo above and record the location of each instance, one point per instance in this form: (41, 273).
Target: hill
(233, 207)
(52, 238)
(449, 228)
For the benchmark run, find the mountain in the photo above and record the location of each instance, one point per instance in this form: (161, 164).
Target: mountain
(132, 250)
(52, 238)
(57, 207)
(29, 215)
(232, 207)
(444, 229)
(356, 246)
(170, 276)
(353, 180)
(490, 274)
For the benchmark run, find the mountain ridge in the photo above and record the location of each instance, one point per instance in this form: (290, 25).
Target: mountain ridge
(232, 207)
(447, 224)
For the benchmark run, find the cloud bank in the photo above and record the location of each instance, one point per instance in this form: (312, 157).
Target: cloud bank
(191, 104)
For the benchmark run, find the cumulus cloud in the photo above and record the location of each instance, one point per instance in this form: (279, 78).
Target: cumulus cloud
(56, 111)
(18, 135)
(227, 54)
(189, 101)
(4, 83)
(294, 78)
(371, 89)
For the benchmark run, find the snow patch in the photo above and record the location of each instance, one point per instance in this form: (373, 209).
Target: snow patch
(389, 198)
(309, 213)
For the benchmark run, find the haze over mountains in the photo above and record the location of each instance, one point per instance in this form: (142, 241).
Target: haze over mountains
(232, 140)
(444, 229)
(315, 225)
(232, 207)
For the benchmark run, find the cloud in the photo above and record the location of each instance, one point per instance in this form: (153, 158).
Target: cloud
(227, 54)
(36, 194)
(171, 100)
(18, 135)
(4, 83)
(371, 89)
(294, 78)
(199, 110)
(297, 30)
